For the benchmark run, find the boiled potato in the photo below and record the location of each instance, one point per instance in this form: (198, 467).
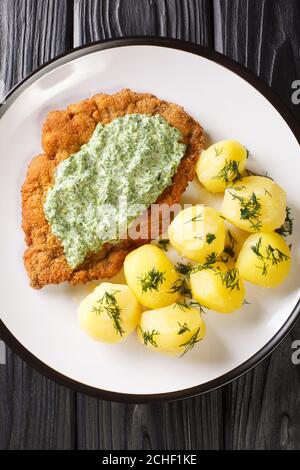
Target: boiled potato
(197, 231)
(255, 204)
(172, 330)
(221, 165)
(264, 259)
(110, 313)
(218, 287)
(151, 276)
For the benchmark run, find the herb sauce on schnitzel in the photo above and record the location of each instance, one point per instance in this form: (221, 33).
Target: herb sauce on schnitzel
(112, 180)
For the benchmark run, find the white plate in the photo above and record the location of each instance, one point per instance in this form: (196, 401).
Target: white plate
(42, 325)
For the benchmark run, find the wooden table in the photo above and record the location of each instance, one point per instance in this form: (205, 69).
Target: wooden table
(261, 410)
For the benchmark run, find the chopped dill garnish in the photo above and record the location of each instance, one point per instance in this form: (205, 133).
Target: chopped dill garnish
(184, 305)
(273, 256)
(218, 151)
(152, 280)
(250, 209)
(108, 303)
(183, 328)
(196, 218)
(164, 244)
(229, 248)
(230, 173)
(245, 302)
(210, 237)
(210, 260)
(181, 284)
(267, 192)
(230, 278)
(148, 337)
(264, 268)
(253, 173)
(190, 343)
(184, 268)
(287, 228)
(256, 249)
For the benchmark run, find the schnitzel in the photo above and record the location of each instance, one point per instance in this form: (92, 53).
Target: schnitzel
(64, 133)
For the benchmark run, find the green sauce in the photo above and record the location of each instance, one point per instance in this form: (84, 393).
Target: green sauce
(132, 160)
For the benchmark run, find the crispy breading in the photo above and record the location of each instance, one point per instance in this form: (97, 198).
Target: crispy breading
(64, 132)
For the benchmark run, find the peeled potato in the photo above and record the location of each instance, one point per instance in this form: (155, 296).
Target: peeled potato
(197, 231)
(151, 276)
(255, 204)
(219, 288)
(173, 330)
(221, 165)
(264, 259)
(110, 313)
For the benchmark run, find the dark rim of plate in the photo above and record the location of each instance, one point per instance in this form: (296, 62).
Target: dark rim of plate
(259, 85)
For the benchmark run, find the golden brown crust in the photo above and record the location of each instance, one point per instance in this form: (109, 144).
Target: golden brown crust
(64, 132)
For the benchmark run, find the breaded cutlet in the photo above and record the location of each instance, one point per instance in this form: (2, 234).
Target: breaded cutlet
(64, 132)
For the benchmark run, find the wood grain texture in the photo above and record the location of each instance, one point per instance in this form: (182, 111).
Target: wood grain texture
(186, 424)
(262, 408)
(35, 413)
(263, 35)
(183, 19)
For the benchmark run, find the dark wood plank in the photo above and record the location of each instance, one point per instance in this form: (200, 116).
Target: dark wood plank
(262, 408)
(190, 424)
(183, 19)
(35, 413)
(187, 424)
(263, 35)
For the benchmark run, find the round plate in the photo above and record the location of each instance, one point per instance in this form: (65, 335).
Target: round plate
(230, 103)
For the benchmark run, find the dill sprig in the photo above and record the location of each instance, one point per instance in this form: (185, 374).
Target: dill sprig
(196, 218)
(181, 284)
(230, 173)
(148, 337)
(184, 268)
(275, 255)
(254, 173)
(108, 303)
(190, 343)
(185, 304)
(183, 328)
(256, 249)
(218, 151)
(229, 248)
(267, 192)
(152, 280)
(250, 209)
(287, 228)
(210, 260)
(230, 278)
(164, 244)
(272, 255)
(210, 237)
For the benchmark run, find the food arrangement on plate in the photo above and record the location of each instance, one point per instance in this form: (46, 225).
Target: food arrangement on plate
(106, 194)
